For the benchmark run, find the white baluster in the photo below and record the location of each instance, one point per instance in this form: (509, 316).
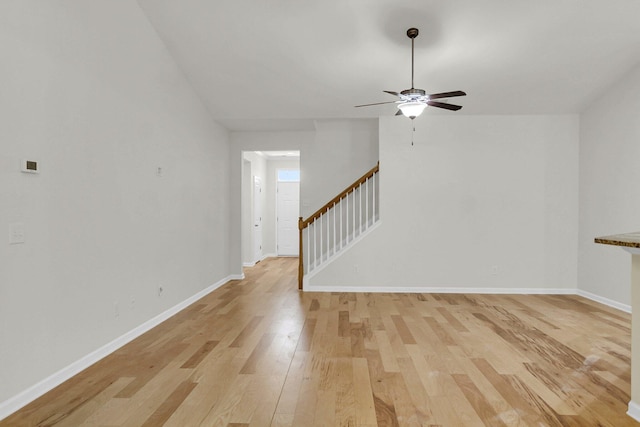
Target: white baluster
(360, 210)
(315, 242)
(373, 195)
(328, 231)
(353, 207)
(309, 247)
(366, 195)
(334, 228)
(340, 224)
(346, 217)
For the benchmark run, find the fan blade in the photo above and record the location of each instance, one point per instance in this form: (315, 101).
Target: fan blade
(399, 113)
(444, 105)
(391, 92)
(446, 94)
(376, 103)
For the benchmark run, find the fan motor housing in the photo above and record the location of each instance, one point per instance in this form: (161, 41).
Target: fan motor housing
(413, 91)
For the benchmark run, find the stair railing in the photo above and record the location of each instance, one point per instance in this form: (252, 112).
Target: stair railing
(338, 223)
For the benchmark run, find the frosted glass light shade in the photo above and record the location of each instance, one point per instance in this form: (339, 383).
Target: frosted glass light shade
(412, 109)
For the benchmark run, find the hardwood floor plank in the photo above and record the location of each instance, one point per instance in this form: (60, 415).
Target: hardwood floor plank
(403, 330)
(200, 354)
(365, 408)
(505, 388)
(257, 352)
(344, 327)
(247, 331)
(484, 410)
(453, 321)
(251, 363)
(168, 407)
(79, 416)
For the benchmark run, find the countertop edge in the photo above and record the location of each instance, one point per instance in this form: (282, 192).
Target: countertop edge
(631, 240)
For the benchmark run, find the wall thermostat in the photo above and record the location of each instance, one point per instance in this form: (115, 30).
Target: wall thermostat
(30, 166)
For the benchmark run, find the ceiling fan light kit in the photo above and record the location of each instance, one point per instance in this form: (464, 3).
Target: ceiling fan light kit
(413, 101)
(412, 109)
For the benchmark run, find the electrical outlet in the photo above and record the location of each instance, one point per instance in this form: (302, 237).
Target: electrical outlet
(132, 302)
(160, 290)
(494, 270)
(116, 310)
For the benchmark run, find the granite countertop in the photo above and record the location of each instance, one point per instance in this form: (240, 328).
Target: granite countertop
(630, 240)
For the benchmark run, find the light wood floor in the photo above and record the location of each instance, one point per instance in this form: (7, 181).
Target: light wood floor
(259, 353)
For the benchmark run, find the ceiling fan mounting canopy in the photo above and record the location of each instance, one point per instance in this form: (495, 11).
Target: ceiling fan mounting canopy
(413, 101)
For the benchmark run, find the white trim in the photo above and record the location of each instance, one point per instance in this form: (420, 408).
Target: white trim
(631, 250)
(440, 290)
(253, 264)
(606, 301)
(634, 410)
(25, 397)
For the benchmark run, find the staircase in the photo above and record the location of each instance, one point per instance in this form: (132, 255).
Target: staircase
(337, 225)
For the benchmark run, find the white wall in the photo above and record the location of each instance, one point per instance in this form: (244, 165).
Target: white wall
(90, 92)
(270, 217)
(609, 187)
(343, 151)
(473, 193)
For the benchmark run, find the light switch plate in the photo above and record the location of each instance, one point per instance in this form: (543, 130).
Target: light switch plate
(16, 233)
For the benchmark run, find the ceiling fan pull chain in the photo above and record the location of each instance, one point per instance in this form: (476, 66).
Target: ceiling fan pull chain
(413, 124)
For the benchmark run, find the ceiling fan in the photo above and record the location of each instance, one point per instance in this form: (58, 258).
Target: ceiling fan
(413, 101)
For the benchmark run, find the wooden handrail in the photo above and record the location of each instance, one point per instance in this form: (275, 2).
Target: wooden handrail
(303, 223)
(336, 199)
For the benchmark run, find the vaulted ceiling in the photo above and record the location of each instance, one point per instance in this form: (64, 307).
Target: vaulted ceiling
(280, 64)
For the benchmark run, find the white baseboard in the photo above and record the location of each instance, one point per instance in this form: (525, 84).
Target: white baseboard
(634, 410)
(439, 290)
(252, 264)
(606, 301)
(16, 402)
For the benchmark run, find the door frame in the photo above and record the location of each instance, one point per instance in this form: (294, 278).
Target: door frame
(257, 229)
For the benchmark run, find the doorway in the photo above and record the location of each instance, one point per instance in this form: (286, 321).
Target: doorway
(287, 212)
(259, 205)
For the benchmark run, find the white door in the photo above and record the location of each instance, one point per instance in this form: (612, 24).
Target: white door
(257, 219)
(288, 211)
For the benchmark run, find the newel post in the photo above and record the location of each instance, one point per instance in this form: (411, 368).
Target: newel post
(300, 255)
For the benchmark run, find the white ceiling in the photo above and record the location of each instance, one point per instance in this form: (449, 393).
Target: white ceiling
(280, 64)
